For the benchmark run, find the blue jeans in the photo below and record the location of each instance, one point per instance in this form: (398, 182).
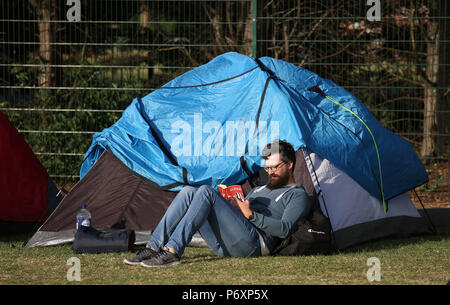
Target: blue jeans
(226, 231)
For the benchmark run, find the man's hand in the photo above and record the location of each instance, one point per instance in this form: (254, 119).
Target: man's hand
(243, 206)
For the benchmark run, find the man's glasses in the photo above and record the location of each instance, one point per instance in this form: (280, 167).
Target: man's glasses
(273, 168)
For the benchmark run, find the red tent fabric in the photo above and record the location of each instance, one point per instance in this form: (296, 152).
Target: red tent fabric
(23, 179)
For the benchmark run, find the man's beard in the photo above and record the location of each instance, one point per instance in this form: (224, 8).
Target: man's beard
(278, 182)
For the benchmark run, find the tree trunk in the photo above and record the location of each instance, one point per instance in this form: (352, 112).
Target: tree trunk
(143, 17)
(444, 81)
(248, 32)
(44, 10)
(430, 121)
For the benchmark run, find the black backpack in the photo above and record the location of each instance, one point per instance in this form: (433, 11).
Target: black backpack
(311, 236)
(91, 240)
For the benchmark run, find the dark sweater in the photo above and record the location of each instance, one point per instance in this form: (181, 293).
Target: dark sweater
(275, 213)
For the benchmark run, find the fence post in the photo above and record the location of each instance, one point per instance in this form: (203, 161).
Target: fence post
(254, 28)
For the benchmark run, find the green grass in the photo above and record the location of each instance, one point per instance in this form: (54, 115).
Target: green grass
(415, 260)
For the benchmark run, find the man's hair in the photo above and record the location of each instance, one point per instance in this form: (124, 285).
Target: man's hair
(285, 149)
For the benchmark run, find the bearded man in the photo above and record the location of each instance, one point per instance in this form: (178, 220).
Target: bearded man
(252, 227)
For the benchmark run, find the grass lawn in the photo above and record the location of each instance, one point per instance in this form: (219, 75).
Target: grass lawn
(414, 260)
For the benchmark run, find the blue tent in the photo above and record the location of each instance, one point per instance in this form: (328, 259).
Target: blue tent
(208, 126)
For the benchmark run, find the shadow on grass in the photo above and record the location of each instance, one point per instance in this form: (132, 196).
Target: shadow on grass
(393, 242)
(189, 258)
(16, 240)
(387, 243)
(200, 259)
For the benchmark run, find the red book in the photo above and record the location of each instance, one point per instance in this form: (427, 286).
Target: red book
(231, 191)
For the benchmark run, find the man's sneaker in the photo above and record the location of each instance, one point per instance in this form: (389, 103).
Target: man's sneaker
(162, 259)
(142, 255)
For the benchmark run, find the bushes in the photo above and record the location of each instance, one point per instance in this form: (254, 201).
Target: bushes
(58, 124)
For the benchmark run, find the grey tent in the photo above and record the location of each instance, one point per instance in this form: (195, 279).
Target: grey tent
(355, 215)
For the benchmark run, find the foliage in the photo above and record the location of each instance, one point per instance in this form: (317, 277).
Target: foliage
(70, 118)
(121, 45)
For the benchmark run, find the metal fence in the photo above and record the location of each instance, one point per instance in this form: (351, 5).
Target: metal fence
(69, 68)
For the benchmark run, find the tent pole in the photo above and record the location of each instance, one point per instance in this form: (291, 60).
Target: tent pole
(433, 228)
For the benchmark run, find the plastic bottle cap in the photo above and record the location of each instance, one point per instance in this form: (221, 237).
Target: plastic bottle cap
(83, 206)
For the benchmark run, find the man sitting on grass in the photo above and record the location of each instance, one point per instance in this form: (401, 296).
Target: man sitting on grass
(252, 227)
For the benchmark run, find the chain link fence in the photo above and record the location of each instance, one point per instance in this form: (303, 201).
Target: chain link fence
(69, 68)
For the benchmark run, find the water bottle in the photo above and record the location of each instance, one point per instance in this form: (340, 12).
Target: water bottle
(83, 217)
